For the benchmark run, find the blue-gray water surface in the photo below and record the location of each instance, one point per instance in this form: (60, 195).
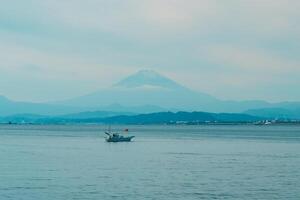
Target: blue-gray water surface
(163, 162)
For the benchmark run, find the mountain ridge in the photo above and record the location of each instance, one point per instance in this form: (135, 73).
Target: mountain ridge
(143, 92)
(123, 118)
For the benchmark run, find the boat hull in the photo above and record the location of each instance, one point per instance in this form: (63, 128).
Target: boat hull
(123, 139)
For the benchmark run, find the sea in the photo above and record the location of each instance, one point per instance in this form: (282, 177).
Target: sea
(62, 162)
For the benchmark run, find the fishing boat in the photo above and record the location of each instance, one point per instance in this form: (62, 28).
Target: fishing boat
(117, 137)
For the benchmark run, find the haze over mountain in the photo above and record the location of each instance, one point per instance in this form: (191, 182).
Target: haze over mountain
(19, 109)
(9, 107)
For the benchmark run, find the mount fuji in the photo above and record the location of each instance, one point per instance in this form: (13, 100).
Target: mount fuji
(149, 88)
(150, 79)
(146, 88)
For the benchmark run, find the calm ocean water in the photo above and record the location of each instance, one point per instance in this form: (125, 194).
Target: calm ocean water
(163, 162)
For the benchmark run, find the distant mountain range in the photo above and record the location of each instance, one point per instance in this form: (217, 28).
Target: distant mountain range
(129, 118)
(147, 92)
(180, 117)
(276, 113)
(9, 107)
(75, 117)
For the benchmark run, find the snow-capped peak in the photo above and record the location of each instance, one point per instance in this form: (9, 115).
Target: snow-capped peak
(149, 79)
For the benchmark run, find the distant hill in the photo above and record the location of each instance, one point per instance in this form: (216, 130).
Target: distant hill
(276, 113)
(93, 114)
(9, 107)
(33, 118)
(181, 117)
(152, 118)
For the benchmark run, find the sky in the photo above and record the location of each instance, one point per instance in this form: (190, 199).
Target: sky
(234, 49)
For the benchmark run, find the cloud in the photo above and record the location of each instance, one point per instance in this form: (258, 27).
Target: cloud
(148, 18)
(250, 59)
(99, 41)
(143, 15)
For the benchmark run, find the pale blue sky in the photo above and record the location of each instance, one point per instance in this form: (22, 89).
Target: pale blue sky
(56, 49)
